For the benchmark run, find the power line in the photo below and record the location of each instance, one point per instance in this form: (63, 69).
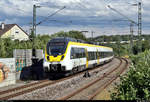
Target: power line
(50, 15)
(66, 22)
(122, 15)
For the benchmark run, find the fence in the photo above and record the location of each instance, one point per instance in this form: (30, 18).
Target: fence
(10, 68)
(23, 59)
(7, 71)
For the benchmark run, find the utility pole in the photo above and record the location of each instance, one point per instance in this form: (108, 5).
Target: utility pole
(92, 32)
(33, 33)
(34, 20)
(139, 26)
(131, 37)
(131, 26)
(34, 59)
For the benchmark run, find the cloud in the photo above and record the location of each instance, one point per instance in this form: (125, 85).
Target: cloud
(82, 13)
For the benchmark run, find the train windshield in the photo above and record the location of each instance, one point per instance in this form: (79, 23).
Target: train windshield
(56, 48)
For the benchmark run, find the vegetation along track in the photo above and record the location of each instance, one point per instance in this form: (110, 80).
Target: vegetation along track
(10, 93)
(103, 86)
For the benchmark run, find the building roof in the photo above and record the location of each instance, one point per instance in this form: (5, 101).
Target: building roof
(7, 27)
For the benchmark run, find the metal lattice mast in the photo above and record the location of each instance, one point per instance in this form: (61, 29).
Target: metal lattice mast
(131, 26)
(131, 37)
(34, 34)
(139, 25)
(34, 20)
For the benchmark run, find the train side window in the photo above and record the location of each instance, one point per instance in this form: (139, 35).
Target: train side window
(89, 54)
(102, 54)
(94, 55)
(77, 52)
(82, 52)
(72, 53)
(105, 55)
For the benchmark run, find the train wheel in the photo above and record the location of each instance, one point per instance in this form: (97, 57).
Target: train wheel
(67, 74)
(75, 70)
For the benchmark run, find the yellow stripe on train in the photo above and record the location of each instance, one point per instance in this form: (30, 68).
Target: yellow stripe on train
(52, 58)
(55, 59)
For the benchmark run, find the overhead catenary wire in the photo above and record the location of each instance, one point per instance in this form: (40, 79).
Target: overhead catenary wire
(51, 15)
(65, 22)
(82, 4)
(122, 15)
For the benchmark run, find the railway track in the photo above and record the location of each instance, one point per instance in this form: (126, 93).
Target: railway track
(79, 92)
(110, 81)
(7, 94)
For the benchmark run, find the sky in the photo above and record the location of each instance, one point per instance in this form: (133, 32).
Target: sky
(81, 15)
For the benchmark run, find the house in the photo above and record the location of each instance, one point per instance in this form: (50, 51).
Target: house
(13, 31)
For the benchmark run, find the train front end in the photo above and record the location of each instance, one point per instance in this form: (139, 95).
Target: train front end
(54, 56)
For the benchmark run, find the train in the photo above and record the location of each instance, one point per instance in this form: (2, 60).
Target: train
(68, 56)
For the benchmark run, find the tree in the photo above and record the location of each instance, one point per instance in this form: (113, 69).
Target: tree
(2, 48)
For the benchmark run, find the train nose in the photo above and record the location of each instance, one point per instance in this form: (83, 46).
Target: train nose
(53, 67)
(57, 67)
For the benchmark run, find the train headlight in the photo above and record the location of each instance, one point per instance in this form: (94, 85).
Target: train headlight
(47, 57)
(62, 57)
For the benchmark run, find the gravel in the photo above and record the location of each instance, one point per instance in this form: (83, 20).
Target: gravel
(61, 89)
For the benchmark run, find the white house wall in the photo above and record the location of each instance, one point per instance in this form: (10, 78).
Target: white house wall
(17, 33)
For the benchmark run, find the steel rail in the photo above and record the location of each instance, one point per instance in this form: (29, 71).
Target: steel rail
(88, 85)
(106, 84)
(36, 85)
(23, 86)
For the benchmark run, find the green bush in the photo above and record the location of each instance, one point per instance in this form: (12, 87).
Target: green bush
(7, 45)
(135, 85)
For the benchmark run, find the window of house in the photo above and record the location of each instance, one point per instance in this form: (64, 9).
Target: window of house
(16, 31)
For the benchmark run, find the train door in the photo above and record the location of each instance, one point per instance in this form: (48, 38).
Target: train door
(74, 57)
(87, 57)
(98, 57)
